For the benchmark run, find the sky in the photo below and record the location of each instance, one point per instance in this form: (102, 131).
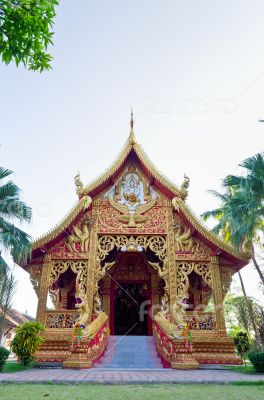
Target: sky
(193, 72)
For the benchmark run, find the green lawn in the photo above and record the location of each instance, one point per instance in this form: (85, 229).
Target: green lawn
(248, 369)
(14, 366)
(131, 392)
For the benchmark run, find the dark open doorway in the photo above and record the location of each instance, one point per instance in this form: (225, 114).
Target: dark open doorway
(128, 299)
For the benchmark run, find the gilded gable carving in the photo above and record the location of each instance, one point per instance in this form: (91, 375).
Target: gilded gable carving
(132, 204)
(188, 247)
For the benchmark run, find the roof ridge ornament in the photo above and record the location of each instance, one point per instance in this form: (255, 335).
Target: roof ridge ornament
(79, 185)
(132, 136)
(185, 186)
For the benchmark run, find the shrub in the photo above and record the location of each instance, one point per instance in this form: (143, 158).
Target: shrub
(242, 343)
(27, 341)
(4, 353)
(257, 359)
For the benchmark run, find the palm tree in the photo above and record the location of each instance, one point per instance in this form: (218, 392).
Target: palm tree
(12, 210)
(249, 211)
(241, 214)
(12, 239)
(7, 290)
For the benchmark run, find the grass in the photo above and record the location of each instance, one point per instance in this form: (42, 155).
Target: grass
(248, 369)
(14, 366)
(131, 392)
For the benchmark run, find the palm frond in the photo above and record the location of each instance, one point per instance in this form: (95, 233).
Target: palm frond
(9, 190)
(15, 240)
(15, 209)
(254, 164)
(4, 172)
(217, 214)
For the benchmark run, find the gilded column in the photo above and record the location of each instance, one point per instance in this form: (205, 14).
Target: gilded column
(218, 296)
(92, 261)
(43, 289)
(171, 262)
(105, 292)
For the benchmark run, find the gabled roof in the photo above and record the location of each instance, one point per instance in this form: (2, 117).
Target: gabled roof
(133, 150)
(15, 317)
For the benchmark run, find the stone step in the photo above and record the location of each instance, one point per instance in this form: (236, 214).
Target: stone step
(130, 352)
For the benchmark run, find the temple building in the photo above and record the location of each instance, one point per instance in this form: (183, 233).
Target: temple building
(131, 258)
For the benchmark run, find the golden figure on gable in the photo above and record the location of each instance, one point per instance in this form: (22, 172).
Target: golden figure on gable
(132, 197)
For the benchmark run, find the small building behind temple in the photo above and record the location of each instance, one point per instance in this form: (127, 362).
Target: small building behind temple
(13, 319)
(131, 247)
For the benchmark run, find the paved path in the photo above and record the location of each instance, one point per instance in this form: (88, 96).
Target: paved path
(129, 376)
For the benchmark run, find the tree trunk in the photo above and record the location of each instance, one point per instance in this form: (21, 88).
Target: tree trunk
(249, 306)
(258, 268)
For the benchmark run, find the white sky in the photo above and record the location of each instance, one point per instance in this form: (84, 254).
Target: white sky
(194, 73)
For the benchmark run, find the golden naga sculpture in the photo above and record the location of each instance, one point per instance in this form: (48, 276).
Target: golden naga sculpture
(132, 217)
(175, 203)
(79, 185)
(82, 307)
(163, 272)
(80, 236)
(185, 185)
(179, 312)
(164, 310)
(102, 271)
(97, 305)
(183, 239)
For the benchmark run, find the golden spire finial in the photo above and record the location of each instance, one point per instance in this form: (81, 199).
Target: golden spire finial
(131, 119)
(132, 136)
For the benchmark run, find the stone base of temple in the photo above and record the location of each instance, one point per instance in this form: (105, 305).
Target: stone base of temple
(184, 361)
(77, 361)
(55, 347)
(214, 350)
(206, 350)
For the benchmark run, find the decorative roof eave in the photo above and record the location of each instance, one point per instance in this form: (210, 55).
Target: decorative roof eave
(131, 145)
(180, 205)
(83, 204)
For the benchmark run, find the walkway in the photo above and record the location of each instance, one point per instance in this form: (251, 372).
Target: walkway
(129, 376)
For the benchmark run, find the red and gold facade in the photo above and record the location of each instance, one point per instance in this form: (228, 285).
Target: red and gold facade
(132, 229)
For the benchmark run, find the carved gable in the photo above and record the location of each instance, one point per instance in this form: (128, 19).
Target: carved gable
(132, 204)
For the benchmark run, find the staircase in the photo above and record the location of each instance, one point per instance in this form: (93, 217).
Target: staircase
(130, 352)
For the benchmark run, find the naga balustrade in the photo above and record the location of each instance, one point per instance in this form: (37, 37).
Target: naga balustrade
(175, 351)
(86, 351)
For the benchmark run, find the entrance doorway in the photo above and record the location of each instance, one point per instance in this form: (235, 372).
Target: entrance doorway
(129, 298)
(128, 291)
